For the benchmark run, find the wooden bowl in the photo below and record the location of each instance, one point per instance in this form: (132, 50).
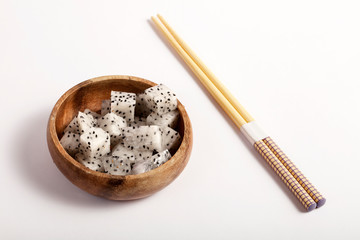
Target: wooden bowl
(89, 94)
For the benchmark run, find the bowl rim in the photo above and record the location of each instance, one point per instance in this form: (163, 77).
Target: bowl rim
(56, 141)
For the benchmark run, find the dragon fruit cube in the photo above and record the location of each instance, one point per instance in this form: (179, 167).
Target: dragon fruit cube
(171, 139)
(160, 99)
(95, 143)
(151, 163)
(93, 164)
(115, 165)
(112, 124)
(70, 142)
(169, 119)
(123, 104)
(142, 138)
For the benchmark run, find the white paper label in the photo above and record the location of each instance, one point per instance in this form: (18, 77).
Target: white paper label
(253, 132)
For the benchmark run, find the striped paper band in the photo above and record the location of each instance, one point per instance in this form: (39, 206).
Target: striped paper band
(285, 175)
(289, 165)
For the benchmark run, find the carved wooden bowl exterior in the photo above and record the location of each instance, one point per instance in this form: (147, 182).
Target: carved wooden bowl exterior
(89, 94)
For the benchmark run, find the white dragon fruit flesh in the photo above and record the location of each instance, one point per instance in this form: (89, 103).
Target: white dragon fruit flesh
(160, 99)
(93, 164)
(151, 163)
(169, 119)
(95, 143)
(160, 158)
(141, 108)
(70, 142)
(85, 121)
(133, 155)
(140, 167)
(94, 114)
(143, 155)
(142, 138)
(73, 126)
(171, 139)
(124, 153)
(112, 124)
(105, 107)
(123, 104)
(115, 165)
(138, 121)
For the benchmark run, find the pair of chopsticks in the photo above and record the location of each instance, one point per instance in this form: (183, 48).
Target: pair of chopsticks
(304, 191)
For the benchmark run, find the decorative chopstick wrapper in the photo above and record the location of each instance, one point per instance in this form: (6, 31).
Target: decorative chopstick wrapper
(304, 182)
(304, 191)
(285, 175)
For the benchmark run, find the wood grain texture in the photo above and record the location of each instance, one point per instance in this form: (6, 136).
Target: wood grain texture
(89, 94)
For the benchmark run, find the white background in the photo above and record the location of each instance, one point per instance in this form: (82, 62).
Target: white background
(293, 64)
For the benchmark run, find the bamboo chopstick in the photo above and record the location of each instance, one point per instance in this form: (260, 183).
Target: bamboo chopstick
(220, 99)
(227, 94)
(279, 162)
